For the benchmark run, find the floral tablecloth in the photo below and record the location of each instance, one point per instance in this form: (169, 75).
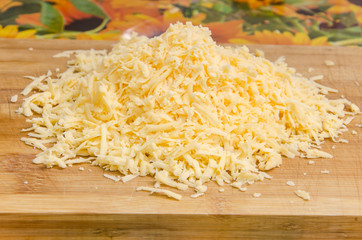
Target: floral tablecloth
(311, 22)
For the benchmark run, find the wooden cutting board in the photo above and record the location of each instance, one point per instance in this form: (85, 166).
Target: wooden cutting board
(43, 203)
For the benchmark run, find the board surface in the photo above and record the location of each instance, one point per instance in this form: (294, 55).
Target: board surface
(40, 202)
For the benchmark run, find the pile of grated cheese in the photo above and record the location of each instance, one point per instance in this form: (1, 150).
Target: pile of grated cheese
(182, 109)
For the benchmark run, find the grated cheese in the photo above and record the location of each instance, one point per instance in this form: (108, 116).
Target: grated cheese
(325, 171)
(114, 178)
(310, 162)
(81, 168)
(315, 153)
(317, 77)
(128, 178)
(354, 108)
(163, 191)
(196, 195)
(354, 132)
(239, 186)
(291, 183)
(359, 125)
(179, 108)
(329, 63)
(256, 195)
(221, 190)
(14, 98)
(303, 194)
(259, 53)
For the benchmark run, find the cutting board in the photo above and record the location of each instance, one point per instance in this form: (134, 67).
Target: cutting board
(44, 203)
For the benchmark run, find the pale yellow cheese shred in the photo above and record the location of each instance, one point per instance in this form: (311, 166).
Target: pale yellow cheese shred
(303, 195)
(163, 191)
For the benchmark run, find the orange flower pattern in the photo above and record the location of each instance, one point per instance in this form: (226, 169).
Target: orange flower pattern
(297, 22)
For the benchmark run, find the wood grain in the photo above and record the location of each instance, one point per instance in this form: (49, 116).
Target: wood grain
(67, 202)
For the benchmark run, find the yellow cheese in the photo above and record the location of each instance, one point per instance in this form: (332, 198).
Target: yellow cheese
(256, 195)
(329, 62)
(163, 191)
(291, 183)
(128, 178)
(182, 109)
(14, 98)
(303, 195)
(316, 78)
(196, 195)
(114, 178)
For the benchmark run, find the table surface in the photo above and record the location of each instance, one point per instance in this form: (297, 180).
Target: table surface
(66, 194)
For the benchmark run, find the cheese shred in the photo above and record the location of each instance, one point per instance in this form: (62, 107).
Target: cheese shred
(163, 191)
(303, 195)
(180, 108)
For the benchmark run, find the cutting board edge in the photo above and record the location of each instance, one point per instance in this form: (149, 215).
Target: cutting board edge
(180, 226)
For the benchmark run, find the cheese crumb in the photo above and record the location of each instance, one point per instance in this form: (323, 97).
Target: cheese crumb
(114, 178)
(162, 191)
(305, 174)
(259, 53)
(315, 153)
(334, 147)
(329, 63)
(354, 132)
(196, 195)
(303, 194)
(128, 178)
(221, 190)
(239, 186)
(359, 125)
(316, 78)
(325, 171)
(310, 162)
(31, 49)
(291, 183)
(25, 182)
(81, 168)
(357, 83)
(180, 108)
(310, 69)
(355, 108)
(14, 98)
(256, 195)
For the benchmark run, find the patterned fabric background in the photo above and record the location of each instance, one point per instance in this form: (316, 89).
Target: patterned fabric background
(311, 22)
